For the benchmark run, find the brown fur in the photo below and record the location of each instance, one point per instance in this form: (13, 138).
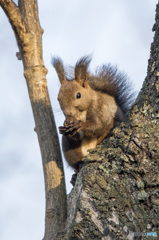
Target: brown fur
(92, 104)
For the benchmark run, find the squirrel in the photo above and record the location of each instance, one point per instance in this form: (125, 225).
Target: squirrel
(93, 104)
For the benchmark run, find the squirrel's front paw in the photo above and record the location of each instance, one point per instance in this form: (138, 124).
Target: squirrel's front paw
(71, 128)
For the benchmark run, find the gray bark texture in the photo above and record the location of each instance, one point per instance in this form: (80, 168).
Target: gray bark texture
(25, 23)
(117, 191)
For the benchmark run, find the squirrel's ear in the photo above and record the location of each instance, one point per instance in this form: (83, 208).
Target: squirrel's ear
(58, 65)
(81, 70)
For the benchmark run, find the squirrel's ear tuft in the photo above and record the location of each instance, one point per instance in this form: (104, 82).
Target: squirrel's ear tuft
(58, 65)
(81, 69)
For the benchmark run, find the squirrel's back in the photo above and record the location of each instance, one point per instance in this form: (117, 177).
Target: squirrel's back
(110, 80)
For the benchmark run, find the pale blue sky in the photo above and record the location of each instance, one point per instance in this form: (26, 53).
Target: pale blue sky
(114, 31)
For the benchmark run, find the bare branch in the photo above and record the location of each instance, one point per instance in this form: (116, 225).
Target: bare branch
(15, 18)
(25, 23)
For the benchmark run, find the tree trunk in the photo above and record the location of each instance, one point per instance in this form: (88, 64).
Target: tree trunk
(25, 23)
(116, 195)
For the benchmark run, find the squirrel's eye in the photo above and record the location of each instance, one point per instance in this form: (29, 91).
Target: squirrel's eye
(78, 95)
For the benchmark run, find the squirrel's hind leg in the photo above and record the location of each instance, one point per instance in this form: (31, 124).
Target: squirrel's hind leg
(77, 170)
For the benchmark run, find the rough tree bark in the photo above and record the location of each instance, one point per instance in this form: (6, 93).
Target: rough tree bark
(117, 190)
(25, 23)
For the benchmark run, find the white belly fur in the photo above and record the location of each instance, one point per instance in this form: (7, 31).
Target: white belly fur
(87, 144)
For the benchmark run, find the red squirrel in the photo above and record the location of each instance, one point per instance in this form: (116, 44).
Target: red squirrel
(92, 103)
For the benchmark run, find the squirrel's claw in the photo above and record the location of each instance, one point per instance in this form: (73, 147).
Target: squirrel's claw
(62, 130)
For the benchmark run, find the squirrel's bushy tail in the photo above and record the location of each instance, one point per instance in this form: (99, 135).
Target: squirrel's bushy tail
(110, 80)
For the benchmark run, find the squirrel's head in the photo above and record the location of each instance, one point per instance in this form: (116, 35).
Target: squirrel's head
(74, 95)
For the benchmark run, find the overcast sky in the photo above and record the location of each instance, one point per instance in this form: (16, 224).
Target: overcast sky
(116, 31)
